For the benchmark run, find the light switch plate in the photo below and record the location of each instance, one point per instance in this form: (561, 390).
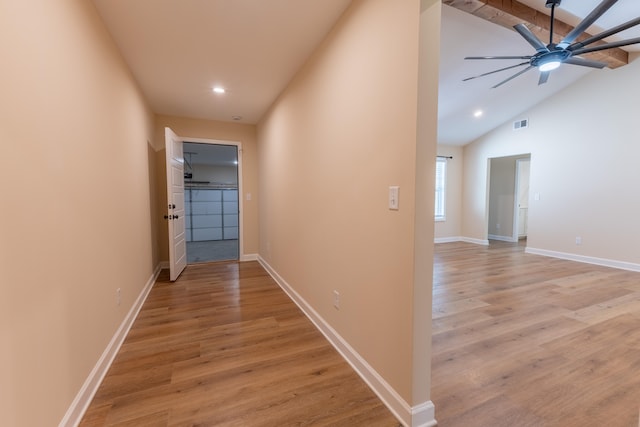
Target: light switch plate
(394, 193)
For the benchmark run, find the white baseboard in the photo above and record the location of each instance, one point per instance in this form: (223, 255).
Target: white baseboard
(447, 239)
(503, 238)
(472, 240)
(460, 239)
(623, 265)
(249, 257)
(484, 242)
(421, 415)
(82, 400)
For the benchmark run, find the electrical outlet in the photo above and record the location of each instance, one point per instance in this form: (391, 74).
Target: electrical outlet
(497, 226)
(336, 300)
(118, 296)
(578, 240)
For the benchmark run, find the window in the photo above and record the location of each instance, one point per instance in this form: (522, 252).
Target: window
(441, 178)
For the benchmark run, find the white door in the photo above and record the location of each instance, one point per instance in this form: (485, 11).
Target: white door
(175, 199)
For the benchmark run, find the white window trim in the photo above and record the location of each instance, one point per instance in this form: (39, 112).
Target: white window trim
(441, 162)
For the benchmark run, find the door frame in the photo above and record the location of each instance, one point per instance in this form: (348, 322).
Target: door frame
(238, 145)
(516, 197)
(514, 232)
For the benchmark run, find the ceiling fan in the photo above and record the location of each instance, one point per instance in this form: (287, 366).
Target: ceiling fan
(551, 56)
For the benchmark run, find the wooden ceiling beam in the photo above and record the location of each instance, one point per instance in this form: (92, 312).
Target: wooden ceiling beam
(508, 13)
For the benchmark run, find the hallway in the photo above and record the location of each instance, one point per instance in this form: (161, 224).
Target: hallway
(225, 346)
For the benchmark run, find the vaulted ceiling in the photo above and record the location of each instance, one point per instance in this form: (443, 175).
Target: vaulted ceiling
(485, 27)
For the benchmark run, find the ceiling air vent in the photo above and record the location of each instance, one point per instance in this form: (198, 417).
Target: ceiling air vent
(520, 124)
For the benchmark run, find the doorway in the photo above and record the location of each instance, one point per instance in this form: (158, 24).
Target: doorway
(212, 202)
(508, 197)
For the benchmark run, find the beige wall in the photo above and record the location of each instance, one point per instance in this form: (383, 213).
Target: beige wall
(452, 226)
(337, 138)
(76, 189)
(584, 150)
(224, 131)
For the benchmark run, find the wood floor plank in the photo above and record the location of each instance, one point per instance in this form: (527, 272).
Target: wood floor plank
(499, 411)
(459, 320)
(561, 346)
(457, 306)
(224, 346)
(614, 307)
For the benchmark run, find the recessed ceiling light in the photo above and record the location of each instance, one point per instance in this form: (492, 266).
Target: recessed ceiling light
(477, 113)
(236, 118)
(218, 89)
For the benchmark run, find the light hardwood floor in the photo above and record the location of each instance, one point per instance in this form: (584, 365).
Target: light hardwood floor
(524, 340)
(224, 346)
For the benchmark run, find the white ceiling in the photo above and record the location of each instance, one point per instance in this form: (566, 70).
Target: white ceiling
(179, 50)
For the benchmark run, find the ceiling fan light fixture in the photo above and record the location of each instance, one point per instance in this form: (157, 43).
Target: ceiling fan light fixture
(549, 66)
(550, 56)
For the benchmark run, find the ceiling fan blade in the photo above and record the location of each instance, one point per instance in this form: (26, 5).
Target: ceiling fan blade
(495, 71)
(544, 76)
(604, 34)
(606, 46)
(498, 57)
(524, 31)
(586, 23)
(519, 73)
(585, 62)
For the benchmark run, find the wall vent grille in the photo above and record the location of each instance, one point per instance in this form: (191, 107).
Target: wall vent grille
(520, 124)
